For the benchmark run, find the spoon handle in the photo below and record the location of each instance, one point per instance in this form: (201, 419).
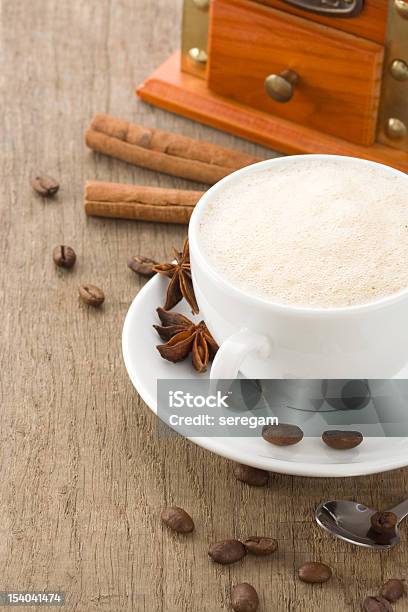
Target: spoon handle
(401, 510)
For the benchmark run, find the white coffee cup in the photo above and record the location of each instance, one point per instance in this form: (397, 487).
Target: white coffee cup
(267, 340)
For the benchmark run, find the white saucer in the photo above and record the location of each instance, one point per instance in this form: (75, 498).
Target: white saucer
(309, 458)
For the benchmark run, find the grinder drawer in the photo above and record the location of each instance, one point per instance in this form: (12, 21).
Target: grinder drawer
(294, 68)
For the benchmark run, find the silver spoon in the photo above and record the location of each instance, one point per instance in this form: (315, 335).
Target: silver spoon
(351, 521)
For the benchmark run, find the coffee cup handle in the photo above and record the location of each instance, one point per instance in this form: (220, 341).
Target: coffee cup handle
(233, 351)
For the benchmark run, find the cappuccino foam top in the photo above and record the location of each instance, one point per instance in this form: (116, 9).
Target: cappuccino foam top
(315, 233)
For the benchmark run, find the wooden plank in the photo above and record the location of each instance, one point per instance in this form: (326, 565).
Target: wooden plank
(339, 74)
(83, 472)
(179, 92)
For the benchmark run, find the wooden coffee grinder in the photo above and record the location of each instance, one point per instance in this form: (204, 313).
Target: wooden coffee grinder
(299, 76)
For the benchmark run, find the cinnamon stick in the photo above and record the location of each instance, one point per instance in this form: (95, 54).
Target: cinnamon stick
(166, 152)
(139, 202)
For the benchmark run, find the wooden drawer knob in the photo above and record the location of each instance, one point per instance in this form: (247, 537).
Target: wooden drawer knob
(401, 7)
(281, 86)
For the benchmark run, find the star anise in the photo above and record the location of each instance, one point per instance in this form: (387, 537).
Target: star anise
(182, 337)
(181, 285)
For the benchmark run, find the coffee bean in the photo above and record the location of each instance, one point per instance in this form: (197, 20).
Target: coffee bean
(44, 185)
(91, 295)
(227, 551)
(244, 598)
(376, 604)
(64, 256)
(142, 265)
(250, 475)
(177, 519)
(314, 572)
(282, 434)
(393, 589)
(342, 440)
(384, 522)
(261, 546)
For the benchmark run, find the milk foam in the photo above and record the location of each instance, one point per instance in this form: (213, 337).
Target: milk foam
(317, 233)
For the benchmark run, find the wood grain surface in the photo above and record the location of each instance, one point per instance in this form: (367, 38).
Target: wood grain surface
(83, 472)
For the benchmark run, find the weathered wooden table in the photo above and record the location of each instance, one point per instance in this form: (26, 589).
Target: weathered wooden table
(83, 472)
